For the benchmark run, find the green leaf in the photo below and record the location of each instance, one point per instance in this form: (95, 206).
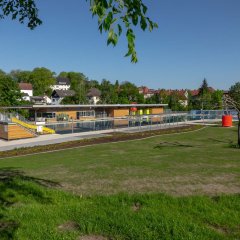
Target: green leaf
(143, 23)
(135, 19)
(119, 29)
(144, 9)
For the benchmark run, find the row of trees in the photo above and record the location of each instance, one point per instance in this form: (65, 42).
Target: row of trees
(42, 79)
(205, 98)
(111, 93)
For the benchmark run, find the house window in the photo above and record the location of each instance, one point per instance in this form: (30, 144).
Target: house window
(49, 115)
(85, 114)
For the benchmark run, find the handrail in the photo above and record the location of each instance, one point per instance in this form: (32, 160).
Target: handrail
(28, 129)
(32, 126)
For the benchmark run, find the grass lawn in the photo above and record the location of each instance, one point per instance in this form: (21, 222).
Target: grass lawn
(182, 186)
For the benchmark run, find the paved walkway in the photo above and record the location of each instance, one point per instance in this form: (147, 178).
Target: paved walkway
(49, 139)
(59, 138)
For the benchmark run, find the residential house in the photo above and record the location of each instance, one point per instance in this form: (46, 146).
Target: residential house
(27, 90)
(58, 95)
(93, 95)
(147, 93)
(181, 94)
(62, 83)
(38, 100)
(183, 97)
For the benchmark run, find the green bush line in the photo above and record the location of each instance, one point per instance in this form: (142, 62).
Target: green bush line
(115, 137)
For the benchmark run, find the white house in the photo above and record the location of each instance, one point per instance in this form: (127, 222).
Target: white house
(93, 95)
(58, 95)
(27, 90)
(61, 84)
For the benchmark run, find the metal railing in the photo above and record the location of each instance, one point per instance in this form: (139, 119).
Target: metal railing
(140, 122)
(4, 118)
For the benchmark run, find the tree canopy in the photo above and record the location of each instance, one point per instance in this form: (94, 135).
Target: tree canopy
(114, 17)
(9, 91)
(78, 84)
(234, 92)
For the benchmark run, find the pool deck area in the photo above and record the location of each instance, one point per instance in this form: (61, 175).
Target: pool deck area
(59, 138)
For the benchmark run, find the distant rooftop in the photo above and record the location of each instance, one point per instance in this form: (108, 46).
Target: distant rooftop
(86, 106)
(25, 86)
(94, 92)
(63, 93)
(62, 81)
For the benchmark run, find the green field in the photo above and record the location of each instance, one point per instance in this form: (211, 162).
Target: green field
(179, 186)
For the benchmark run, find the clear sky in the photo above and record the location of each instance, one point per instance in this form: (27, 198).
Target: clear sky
(195, 39)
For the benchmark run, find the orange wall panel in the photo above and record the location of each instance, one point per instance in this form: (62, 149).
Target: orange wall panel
(156, 110)
(17, 132)
(120, 112)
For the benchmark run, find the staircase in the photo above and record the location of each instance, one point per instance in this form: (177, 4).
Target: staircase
(31, 127)
(31, 131)
(17, 131)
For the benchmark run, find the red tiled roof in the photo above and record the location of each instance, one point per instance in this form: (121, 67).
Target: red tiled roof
(194, 92)
(25, 86)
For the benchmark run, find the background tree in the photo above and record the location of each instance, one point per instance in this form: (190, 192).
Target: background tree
(164, 96)
(216, 99)
(156, 98)
(203, 99)
(42, 79)
(234, 92)
(20, 76)
(78, 84)
(190, 101)
(175, 102)
(129, 93)
(9, 91)
(114, 17)
(109, 92)
(2, 72)
(92, 84)
(204, 88)
(233, 101)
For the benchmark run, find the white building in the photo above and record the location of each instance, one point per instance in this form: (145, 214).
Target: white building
(58, 95)
(93, 95)
(27, 90)
(61, 84)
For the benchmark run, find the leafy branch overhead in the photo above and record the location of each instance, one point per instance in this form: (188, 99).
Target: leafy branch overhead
(21, 10)
(114, 16)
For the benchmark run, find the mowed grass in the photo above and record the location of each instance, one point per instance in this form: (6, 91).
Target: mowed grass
(30, 210)
(200, 162)
(182, 186)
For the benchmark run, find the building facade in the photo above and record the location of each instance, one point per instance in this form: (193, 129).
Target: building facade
(27, 90)
(61, 84)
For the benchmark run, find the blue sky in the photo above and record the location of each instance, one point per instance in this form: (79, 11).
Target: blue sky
(195, 39)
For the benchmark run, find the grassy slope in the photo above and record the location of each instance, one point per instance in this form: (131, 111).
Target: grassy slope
(34, 212)
(183, 164)
(32, 209)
